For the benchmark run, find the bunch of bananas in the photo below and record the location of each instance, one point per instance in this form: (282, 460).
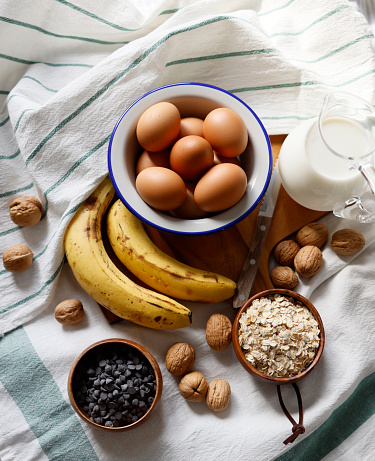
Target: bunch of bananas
(106, 284)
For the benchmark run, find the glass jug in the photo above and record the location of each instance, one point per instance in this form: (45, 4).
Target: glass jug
(326, 163)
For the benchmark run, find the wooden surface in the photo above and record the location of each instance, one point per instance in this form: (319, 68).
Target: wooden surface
(225, 252)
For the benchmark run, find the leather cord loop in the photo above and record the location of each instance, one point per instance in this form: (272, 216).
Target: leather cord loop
(297, 428)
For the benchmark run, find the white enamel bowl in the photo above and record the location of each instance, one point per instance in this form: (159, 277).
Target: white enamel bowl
(195, 100)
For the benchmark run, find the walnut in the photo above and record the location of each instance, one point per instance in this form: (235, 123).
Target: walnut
(315, 234)
(285, 252)
(25, 211)
(193, 386)
(180, 358)
(218, 395)
(347, 242)
(17, 258)
(308, 261)
(69, 312)
(218, 332)
(284, 277)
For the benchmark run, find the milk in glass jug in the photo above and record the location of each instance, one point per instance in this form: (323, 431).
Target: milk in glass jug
(326, 163)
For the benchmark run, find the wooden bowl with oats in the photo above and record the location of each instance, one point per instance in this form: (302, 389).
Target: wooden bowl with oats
(278, 336)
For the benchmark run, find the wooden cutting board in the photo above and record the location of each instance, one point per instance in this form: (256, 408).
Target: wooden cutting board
(225, 252)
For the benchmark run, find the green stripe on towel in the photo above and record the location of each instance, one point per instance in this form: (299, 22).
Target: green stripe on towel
(10, 157)
(16, 191)
(104, 21)
(20, 118)
(346, 419)
(53, 64)
(300, 84)
(35, 392)
(94, 16)
(53, 34)
(235, 54)
(40, 83)
(4, 121)
(276, 9)
(37, 293)
(314, 23)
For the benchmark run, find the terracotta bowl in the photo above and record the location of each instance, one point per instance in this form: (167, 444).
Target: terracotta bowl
(247, 365)
(105, 349)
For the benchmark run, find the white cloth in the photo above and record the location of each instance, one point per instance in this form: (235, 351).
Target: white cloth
(68, 71)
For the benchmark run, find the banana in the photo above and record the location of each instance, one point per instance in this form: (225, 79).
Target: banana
(100, 278)
(158, 270)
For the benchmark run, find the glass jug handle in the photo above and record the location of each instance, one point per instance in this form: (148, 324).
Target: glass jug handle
(369, 173)
(355, 208)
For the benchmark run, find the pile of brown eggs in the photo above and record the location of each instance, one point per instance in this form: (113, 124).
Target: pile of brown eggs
(189, 166)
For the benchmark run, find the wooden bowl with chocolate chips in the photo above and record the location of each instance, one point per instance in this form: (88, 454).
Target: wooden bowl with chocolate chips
(115, 385)
(278, 336)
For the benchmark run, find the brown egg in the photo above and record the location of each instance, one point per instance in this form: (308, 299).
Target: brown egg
(158, 126)
(221, 187)
(225, 130)
(147, 159)
(220, 159)
(189, 209)
(161, 188)
(191, 125)
(191, 156)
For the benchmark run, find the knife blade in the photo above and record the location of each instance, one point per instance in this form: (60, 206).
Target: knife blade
(250, 267)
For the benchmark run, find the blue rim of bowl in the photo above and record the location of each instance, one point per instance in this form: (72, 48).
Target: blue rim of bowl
(164, 229)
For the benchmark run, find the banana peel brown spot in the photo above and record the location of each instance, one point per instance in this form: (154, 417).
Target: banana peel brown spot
(157, 319)
(163, 307)
(79, 276)
(94, 230)
(177, 276)
(211, 277)
(90, 202)
(123, 235)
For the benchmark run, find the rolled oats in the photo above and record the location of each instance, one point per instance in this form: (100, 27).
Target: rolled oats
(278, 335)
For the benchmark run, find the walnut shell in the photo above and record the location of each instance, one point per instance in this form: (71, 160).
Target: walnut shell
(284, 277)
(315, 234)
(193, 386)
(218, 332)
(286, 251)
(347, 242)
(308, 261)
(180, 358)
(26, 211)
(69, 312)
(17, 258)
(218, 395)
